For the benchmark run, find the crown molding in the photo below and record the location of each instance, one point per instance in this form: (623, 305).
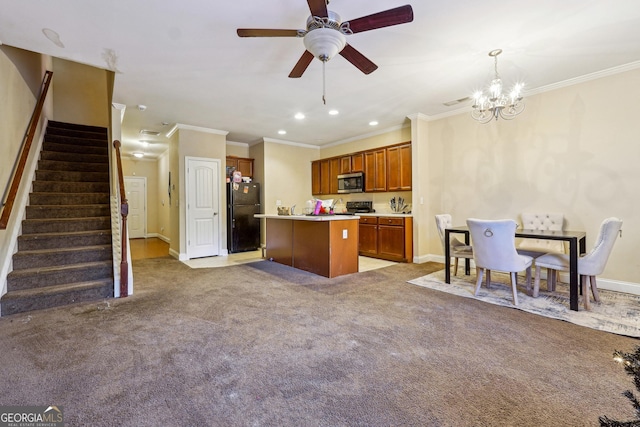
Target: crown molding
(366, 135)
(284, 142)
(180, 126)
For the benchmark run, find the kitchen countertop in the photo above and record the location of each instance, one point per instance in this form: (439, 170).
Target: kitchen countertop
(336, 217)
(401, 215)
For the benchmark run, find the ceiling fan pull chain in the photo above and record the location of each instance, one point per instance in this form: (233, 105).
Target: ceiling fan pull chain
(324, 90)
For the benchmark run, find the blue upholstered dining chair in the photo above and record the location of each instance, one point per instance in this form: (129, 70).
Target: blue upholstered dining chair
(589, 265)
(494, 248)
(457, 249)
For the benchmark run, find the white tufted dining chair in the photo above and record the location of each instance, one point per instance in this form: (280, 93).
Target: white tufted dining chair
(589, 265)
(457, 248)
(541, 221)
(494, 249)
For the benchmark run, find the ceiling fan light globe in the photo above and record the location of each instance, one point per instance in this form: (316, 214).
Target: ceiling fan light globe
(324, 43)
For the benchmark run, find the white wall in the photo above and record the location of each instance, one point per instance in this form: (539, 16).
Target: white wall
(573, 150)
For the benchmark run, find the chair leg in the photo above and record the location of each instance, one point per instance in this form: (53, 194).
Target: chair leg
(479, 272)
(536, 283)
(594, 289)
(528, 279)
(552, 277)
(585, 292)
(514, 282)
(488, 278)
(455, 267)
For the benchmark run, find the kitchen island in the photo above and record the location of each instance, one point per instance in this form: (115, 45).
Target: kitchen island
(326, 245)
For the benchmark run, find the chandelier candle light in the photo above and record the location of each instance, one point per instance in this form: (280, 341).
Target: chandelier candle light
(496, 104)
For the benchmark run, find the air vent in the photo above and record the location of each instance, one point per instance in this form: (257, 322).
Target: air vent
(149, 132)
(457, 101)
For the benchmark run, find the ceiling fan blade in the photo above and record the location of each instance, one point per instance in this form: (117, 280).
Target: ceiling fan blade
(301, 65)
(265, 32)
(398, 15)
(318, 8)
(359, 60)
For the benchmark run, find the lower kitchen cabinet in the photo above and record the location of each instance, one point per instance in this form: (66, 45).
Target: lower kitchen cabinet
(385, 237)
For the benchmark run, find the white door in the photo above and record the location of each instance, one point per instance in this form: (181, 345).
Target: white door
(136, 189)
(203, 201)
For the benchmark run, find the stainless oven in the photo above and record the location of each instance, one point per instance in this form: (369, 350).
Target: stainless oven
(351, 183)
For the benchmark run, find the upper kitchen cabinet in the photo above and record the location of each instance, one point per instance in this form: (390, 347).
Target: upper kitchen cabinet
(320, 177)
(375, 170)
(399, 168)
(357, 162)
(244, 165)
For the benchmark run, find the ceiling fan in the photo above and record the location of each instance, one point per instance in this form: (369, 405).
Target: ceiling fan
(324, 36)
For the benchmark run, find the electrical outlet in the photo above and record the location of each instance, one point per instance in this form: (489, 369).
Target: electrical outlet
(278, 202)
(345, 234)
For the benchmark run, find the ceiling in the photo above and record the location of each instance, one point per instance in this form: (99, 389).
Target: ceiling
(186, 64)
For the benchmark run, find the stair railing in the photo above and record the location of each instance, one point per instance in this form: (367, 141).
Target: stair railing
(124, 211)
(21, 161)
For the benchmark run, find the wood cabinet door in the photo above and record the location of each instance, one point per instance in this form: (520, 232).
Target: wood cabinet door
(245, 166)
(334, 171)
(324, 177)
(375, 170)
(345, 164)
(391, 241)
(368, 242)
(357, 162)
(399, 168)
(315, 177)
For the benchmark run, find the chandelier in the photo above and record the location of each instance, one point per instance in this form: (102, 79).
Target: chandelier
(494, 104)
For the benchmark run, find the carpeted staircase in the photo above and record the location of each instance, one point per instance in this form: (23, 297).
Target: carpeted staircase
(64, 253)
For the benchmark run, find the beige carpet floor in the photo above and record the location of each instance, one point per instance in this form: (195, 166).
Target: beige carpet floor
(262, 344)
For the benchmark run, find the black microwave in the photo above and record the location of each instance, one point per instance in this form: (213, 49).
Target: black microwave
(351, 183)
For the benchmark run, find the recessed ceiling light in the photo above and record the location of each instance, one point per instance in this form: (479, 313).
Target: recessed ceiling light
(138, 155)
(299, 116)
(333, 112)
(373, 123)
(282, 132)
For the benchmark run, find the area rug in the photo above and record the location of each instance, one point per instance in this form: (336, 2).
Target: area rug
(616, 312)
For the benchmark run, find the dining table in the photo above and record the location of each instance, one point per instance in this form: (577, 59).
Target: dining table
(577, 246)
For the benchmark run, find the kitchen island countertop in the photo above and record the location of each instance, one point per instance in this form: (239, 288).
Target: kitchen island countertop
(336, 217)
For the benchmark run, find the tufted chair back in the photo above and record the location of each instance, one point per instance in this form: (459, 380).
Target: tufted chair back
(542, 221)
(593, 263)
(444, 221)
(494, 245)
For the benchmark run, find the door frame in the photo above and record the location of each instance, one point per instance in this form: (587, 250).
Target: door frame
(142, 179)
(217, 196)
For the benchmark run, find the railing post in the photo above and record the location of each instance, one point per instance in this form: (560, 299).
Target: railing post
(124, 211)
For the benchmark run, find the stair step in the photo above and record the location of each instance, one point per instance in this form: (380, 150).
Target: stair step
(52, 124)
(75, 148)
(30, 242)
(76, 133)
(29, 278)
(65, 256)
(74, 166)
(62, 225)
(72, 176)
(77, 141)
(55, 296)
(79, 212)
(64, 198)
(70, 187)
(64, 156)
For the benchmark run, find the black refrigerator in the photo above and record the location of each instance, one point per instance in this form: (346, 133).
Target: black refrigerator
(243, 229)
